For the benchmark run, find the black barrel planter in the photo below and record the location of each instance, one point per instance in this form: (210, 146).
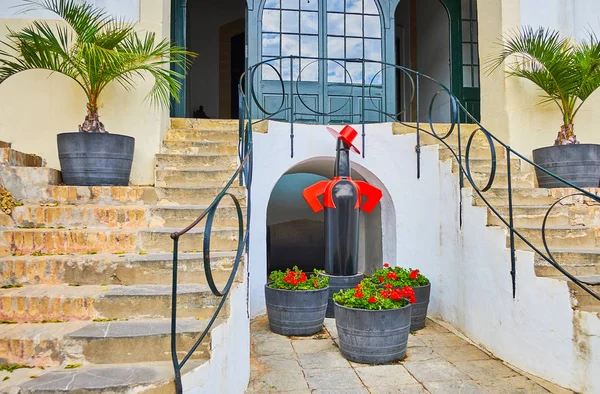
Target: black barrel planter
(296, 312)
(576, 163)
(95, 159)
(419, 308)
(337, 283)
(373, 337)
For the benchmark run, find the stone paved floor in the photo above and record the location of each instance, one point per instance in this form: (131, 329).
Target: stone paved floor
(437, 361)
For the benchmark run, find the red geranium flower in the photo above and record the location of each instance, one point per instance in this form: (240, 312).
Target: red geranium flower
(381, 279)
(386, 265)
(372, 300)
(385, 294)
(315, 282)
(396, 295)
(302, 277)
(389, 286)
(392, 275)
(359, 294)
(414, 274)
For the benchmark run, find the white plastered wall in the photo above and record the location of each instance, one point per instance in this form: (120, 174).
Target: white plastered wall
(35, 106)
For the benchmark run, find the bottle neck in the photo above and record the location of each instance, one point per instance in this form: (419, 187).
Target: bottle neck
(342, 159)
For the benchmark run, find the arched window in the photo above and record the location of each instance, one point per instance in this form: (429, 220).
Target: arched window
(340, 29)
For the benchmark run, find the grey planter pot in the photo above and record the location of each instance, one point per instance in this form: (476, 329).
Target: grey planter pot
(95, 159)
(296, 312)
(337, 283)
(578, 164)
(373, 337)
(419, 308)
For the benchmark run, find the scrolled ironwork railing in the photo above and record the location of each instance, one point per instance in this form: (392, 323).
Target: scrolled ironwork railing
(363, 86)
(244, 174)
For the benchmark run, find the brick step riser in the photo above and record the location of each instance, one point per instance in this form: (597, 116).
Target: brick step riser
(559, 216)
(220, 241)
(485, 166)
(24, 309)
(29, 183)
(205, 124)
(533, 197)
(199, 196)
(192, 178)
(199, 148)
(112, 272)
(559, 239)
(190, 162)
(224, 217)
(55, 352)
(569, 258)
(98, 195)
(477, 152)
(584, 298)
(201, 135)
(518, 180)
(13, 157)
(573, 268)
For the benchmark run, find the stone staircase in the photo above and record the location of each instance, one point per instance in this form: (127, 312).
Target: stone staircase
(572, 229)
(85, 302)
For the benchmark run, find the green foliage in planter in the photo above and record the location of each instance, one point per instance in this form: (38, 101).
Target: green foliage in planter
(296, 279)
(567, 72)
(366, 295)
(399, 277)
(94, 49)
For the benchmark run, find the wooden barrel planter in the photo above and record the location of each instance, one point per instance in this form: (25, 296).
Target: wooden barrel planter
(419, 308)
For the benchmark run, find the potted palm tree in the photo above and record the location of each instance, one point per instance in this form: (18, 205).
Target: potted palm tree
(567, 73)
(94, 49)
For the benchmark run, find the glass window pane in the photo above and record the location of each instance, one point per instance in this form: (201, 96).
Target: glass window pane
(354, 25)
(286, 72)
(268, 70)
(354, 6)
(466, 31)
(354, 48)
(290, 4)
(335, 47)
(335, 5)
(373, 74)
(372, 26)
(466, 52)
(311, 5)
(466, 9)
(309, 23)
(373, 49)
(270, 44)
(309, 70)
(290, 22)
(370, 7)
(335, 72)
(290, 45)
(476, 75)
(475, 54)
(355, 71)
(309, 46)
(475, 32)
(335, 24)
(467, 82)
(272, 4)
(271, 21)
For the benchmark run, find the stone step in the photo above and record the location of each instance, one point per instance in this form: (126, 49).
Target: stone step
(498, 196)
(190, 178)
(205, 124)
(584, 299)
(29, 182)
(441, 129)
(4, 144)
(62, 241)
(200, 195)
(196, 162)
(223, 239)
(206, 148)
(577, 262)
(518, 179)
(98, 195)
(182, 215)
(63, 302)
(11, 157)
(485, 165)
(559, 237)
(561, 215)
(479, 151)
(111, 269)
(202, 135)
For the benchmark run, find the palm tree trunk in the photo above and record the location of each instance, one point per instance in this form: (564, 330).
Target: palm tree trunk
(92, 123)
(566, 136)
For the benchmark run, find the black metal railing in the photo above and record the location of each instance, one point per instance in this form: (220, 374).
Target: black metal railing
(290, 88)
(243, 174)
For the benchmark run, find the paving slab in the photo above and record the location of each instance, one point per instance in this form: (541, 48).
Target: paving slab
(437, 361)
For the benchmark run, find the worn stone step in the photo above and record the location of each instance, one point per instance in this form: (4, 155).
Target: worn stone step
(64, 302)
(181, 216)
(197, 162)
(26, 183)
(190, 178)
(11, 157)
(203, 135)
(577, 263)
(441, 129)
(38, 216)
(63, 241)
(97, 195)
(479, 151)
(199, 195)
(203, 124)
(111, 269)
(206, 148)
(561, 215)
(224, 239)
(485, 165)
(498, 196)
(584, 299)
(518, 179)
(559, 237)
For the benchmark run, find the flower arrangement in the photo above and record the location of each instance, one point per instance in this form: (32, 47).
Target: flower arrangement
(399, 277)
(296, 279)
(366, 295)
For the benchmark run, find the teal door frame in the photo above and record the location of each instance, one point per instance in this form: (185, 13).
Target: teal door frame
(179, 38)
